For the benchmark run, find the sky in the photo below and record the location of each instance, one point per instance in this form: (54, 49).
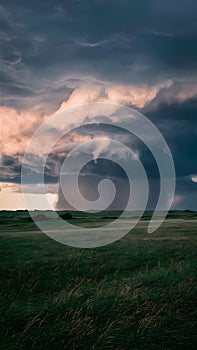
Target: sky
(59, 54)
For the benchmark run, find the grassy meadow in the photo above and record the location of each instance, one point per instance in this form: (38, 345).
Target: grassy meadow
(138, 293)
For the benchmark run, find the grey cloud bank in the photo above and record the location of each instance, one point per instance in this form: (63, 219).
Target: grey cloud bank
(49, 50)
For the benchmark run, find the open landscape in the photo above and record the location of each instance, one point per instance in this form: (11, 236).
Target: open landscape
(137, 293)
(98, 175)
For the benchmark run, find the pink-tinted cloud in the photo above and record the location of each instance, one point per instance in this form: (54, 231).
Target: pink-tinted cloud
(18, 127)
(138, 96)
(16, 130)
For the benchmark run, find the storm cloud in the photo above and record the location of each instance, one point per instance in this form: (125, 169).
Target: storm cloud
(59, 54)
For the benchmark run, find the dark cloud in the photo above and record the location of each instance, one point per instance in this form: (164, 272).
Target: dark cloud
(186, 193)
(10, 167)
(177, 122)
(46, 45)
(50, 48)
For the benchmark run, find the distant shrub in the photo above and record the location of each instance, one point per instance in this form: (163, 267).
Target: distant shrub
(66, 216)
(22, 219)
(40, 217)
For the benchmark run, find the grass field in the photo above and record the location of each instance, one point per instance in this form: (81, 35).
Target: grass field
(137, 293)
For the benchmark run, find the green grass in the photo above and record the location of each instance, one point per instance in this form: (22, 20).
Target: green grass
(137, 293)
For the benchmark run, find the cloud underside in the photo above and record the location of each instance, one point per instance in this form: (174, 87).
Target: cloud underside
(138, 53)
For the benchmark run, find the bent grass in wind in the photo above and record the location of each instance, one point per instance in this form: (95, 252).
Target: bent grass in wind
(137, 293)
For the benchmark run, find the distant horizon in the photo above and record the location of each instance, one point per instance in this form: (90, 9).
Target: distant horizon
(97, 212)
